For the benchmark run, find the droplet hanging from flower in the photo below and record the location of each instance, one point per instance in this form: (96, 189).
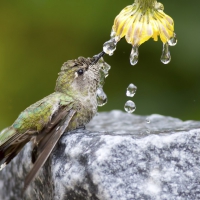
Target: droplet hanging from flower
(139, 22)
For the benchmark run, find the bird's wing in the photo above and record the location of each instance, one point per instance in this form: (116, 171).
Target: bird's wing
(55, 134)
(43, 137)
(32, 120)
(8, 150)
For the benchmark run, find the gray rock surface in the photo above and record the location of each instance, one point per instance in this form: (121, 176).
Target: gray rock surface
(119, 157)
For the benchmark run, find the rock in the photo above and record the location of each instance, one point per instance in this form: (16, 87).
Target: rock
(119, 157)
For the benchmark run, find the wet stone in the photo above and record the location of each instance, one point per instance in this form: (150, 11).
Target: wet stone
(118, 157)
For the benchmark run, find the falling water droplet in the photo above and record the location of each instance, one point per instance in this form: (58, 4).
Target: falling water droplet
(148, 121)
(131, 90)
(166, 57)
(129, 106)
(173, 40)
(134, 55)
(110, 46)
(101, 97)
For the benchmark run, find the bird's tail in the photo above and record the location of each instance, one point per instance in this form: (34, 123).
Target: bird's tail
(11, 142)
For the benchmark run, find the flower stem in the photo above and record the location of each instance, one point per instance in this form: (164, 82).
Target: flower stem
(145, 4)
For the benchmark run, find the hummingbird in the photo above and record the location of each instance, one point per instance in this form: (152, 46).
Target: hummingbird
(71, 106)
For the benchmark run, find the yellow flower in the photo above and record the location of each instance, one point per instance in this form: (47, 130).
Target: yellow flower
(139, 22)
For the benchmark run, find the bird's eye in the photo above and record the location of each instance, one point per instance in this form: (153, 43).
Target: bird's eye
(80, 71)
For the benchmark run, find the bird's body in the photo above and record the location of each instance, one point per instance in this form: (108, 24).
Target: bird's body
(72, 105)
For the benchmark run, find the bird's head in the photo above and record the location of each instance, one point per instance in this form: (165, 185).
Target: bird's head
(79, 77)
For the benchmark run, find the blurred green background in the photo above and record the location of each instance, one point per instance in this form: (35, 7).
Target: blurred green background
(37, 36)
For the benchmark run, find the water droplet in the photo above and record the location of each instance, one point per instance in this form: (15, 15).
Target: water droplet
(148, 131)
(173, 40)
(117, 39)
(134, 55)
(148, 121)
(101, 97)
(2, 166)
(102, 78)
(112, 34)
(166, 57)
(110, 46)
(131, 90)
(101, 60)
(129, 106)
(106, 67)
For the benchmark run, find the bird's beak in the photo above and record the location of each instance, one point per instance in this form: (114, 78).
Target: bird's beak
(97, 57)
